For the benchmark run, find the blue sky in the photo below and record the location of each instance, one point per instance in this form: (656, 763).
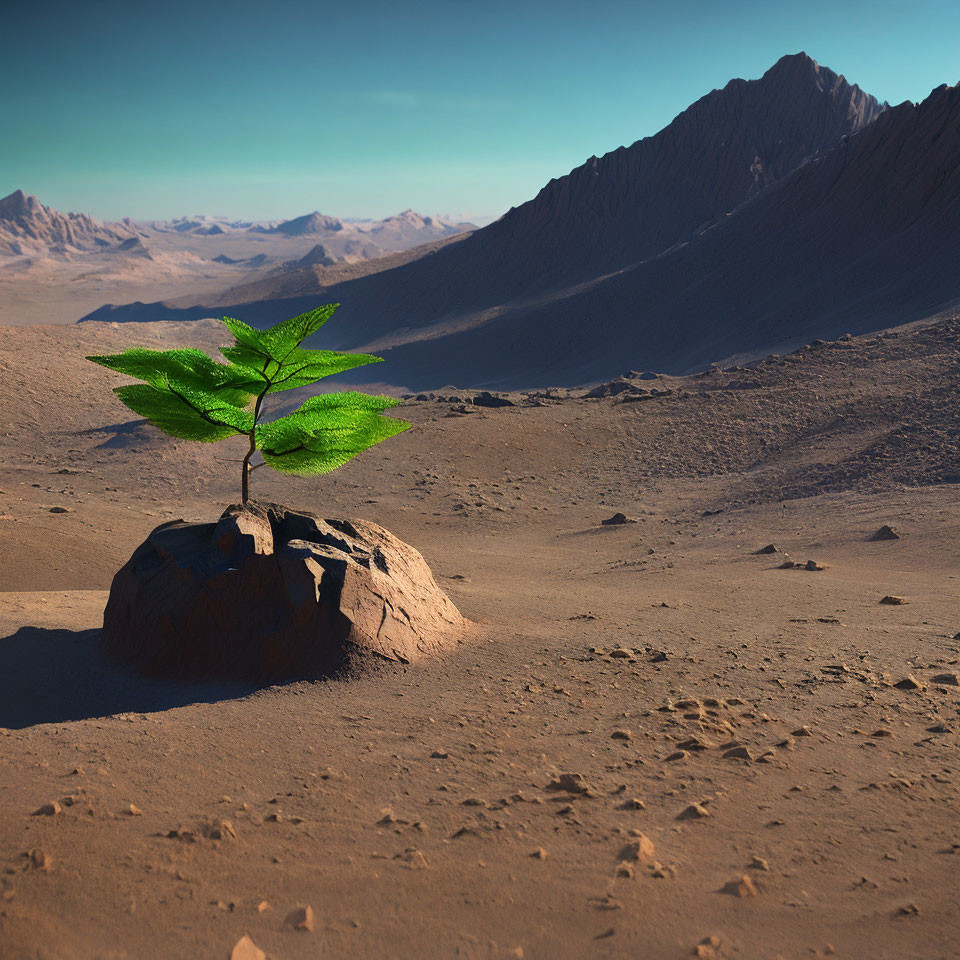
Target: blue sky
(364, 108)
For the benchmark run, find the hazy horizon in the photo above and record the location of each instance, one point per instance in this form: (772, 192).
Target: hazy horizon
(367, 112)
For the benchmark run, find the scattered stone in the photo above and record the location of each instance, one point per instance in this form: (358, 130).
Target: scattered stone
(639, 849)
(801, 732)
(758, 863)
(40, 859)
(946, 679)
(617, 519)
(220, 830)
(413, 859)
(814, 565)
(695, 811)
(621, 653)
(466, 832)
(738, 753)
(539, 854)
(300, 918)
(569, 782)
(910, 910)
(624, 870)
(487, 399)
(744, 887)
(892, 600)
(59, 510)
(246, 949)
(693, 743)
(632, 804)
(708, 949)
(621, 735)
(886, 533)
(676, 755)
(48, 810)
(439, 755)
(769, 548)
(263, 906)
(909, 682)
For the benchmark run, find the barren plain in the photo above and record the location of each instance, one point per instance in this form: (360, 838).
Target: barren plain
(655, 741)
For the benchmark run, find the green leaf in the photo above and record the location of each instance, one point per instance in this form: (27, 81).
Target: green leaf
(186, 412)
(303, 367)
(188, 367)
(266, 350)
(288, 334)
(277, 356)
(327, 431)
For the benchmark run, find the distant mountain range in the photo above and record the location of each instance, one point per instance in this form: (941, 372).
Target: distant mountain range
(768, 213)
(28, 227)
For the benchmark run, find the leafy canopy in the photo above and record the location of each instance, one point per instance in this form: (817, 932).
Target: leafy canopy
(188, 395)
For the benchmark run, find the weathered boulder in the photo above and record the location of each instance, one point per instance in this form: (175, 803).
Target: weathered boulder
(268, 593)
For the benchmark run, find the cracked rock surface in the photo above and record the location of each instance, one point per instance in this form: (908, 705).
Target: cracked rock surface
(268, 593)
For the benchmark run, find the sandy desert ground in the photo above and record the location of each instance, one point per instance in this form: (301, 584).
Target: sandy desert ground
(655, 741)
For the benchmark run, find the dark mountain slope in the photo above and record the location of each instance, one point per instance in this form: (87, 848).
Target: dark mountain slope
(865, 237)
(616, 210)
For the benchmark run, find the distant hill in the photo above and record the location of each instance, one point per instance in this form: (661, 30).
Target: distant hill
(309, 224)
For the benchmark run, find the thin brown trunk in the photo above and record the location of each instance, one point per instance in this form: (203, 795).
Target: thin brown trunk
(245, 477)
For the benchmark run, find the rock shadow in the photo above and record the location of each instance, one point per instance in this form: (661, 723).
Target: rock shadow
(53, 676)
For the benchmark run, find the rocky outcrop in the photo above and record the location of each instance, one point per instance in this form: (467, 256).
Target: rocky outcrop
(27, 226)
(268, 593)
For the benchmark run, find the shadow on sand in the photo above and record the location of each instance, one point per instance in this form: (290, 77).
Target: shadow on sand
(49, 676)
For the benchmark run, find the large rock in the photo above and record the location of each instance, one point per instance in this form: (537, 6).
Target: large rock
(269, 593)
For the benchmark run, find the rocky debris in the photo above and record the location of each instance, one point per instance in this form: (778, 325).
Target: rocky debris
(412, 859)
(769, 548)
(269, 593)
(946, 679)
(696, 811)
(621, 735)
(709, 948)
(758, 863)
(219, 830)
(616, 520)
(570, 783)
(246, 949)
(909, 682)
(134, 811)
(48, 810)
(638, 849)
(892, 601)
(487, 399)
(39, 859)
(539, 854)
(738, 753)
(802, 565)
(300, 918)
(742, 887)
(614, 388)
(886, 533)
